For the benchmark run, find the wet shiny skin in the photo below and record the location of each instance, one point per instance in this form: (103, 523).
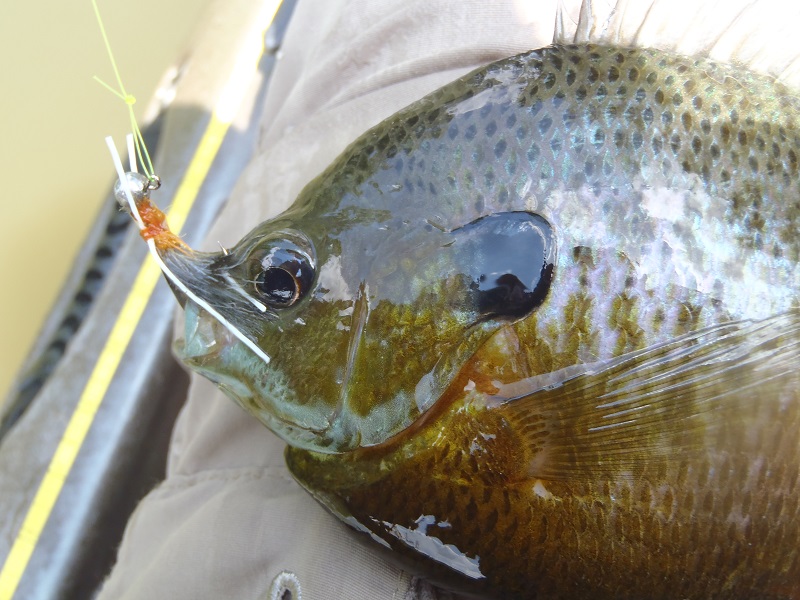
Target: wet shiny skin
(629, 431)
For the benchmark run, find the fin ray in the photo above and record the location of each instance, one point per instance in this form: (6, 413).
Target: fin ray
(757, 34)
(659, 404)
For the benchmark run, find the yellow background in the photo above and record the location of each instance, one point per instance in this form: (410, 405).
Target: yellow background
(54, 166)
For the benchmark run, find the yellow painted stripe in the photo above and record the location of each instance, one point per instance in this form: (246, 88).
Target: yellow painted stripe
(196, 172)
(77, 428)
(82, 418)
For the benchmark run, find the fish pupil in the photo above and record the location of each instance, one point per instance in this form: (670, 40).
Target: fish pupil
(281, 271)
(278, 287)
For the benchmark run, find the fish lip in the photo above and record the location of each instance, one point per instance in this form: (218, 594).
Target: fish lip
(203, 335)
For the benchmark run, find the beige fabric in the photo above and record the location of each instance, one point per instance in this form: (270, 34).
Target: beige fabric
(229, 518)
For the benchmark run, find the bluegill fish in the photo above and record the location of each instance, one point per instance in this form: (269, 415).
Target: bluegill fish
(539, 331)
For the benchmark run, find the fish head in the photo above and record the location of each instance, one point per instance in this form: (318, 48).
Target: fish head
(338, 324)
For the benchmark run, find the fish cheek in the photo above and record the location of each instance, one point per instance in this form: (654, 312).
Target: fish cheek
(469, 281)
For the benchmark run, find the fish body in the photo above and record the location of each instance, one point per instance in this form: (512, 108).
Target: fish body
(540, 330)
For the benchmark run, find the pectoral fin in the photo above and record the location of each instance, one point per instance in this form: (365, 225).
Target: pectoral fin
(705, 389)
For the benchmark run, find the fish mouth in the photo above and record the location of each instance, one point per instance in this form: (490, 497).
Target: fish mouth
(205, 338)
(211, 349)
(202, 279)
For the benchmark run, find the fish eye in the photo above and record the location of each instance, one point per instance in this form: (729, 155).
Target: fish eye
(284, 277)
(278, 287)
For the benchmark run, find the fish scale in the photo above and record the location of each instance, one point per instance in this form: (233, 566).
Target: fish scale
(649, 112)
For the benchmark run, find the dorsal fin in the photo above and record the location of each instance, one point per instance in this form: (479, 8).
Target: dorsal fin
(664, 402)
(758, 34)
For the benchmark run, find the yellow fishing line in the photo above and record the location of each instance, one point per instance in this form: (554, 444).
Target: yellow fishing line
(141, 148)
(82, 418)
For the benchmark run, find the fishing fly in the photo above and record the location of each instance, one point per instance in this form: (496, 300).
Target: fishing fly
(132, 191)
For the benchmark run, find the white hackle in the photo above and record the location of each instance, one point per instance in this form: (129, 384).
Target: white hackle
(238, 289)
(151, 244)
(122, 178)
